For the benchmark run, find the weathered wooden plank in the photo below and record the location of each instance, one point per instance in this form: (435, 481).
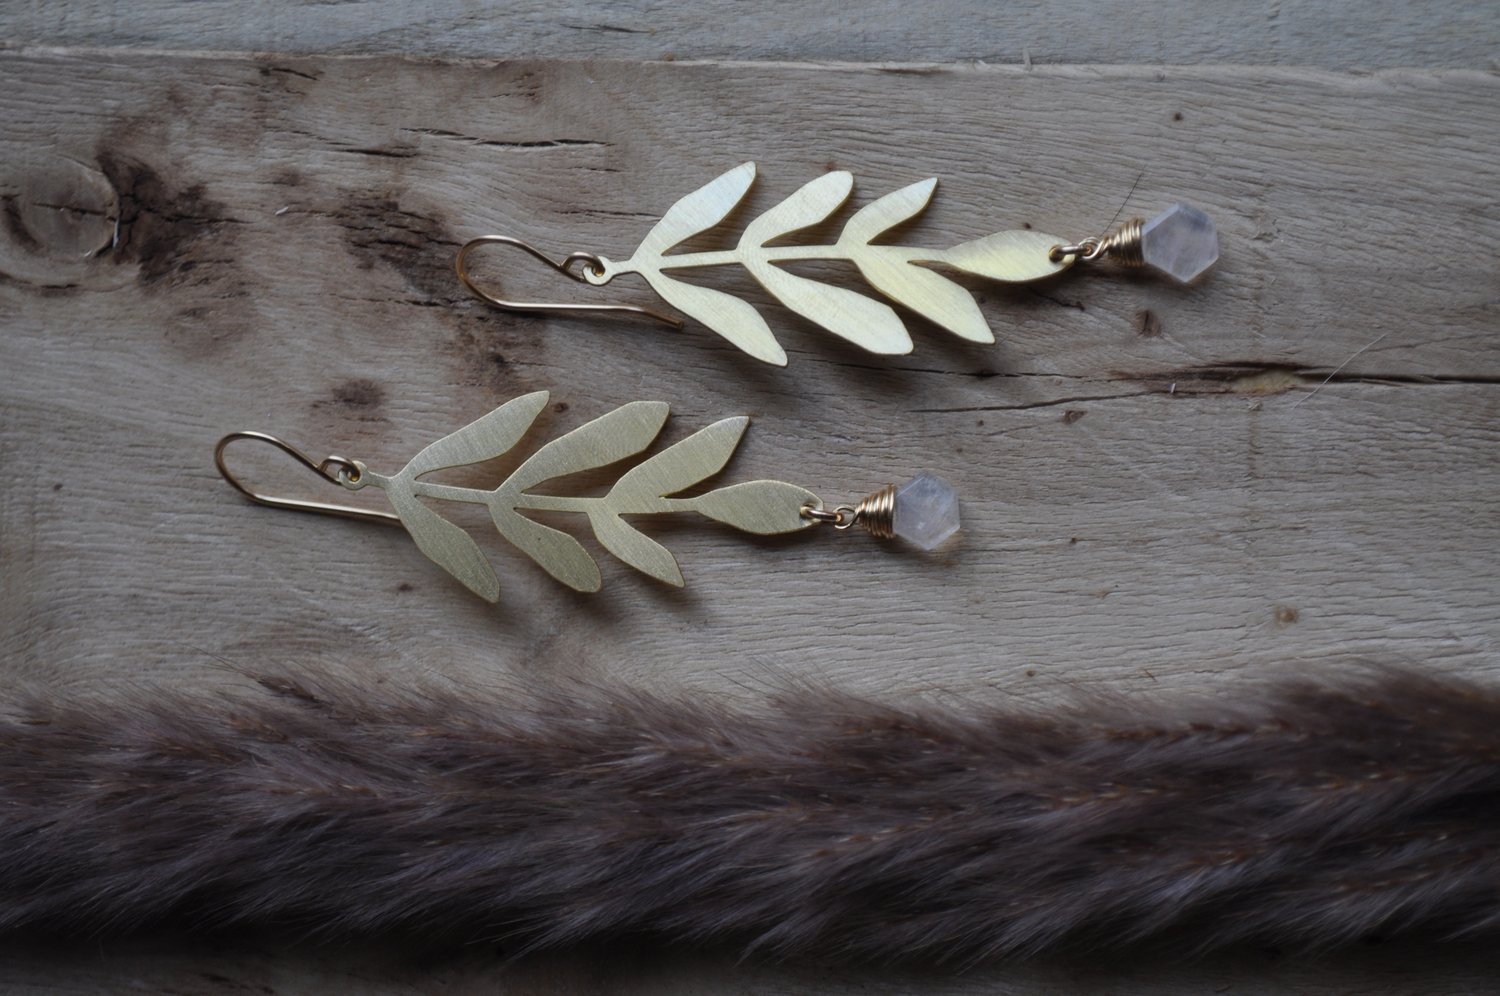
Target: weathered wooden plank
(1138, 506)
(1374, 189)
(1334, 34)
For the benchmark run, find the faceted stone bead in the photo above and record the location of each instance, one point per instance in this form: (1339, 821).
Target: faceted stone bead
(926, 511)
(1180, 242)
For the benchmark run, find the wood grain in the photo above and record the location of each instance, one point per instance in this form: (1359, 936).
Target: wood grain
(1333, 34)
(1291, 465)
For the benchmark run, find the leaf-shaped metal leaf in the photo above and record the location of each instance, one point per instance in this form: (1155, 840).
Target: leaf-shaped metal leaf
(699, 211)
(929, 294)
(681, 465)
(445, 544)
(880, 216)
(862, 320)
(636, 548)
(725, 314)
(813, 202)
(614, 436)
(557, 553)
(484, 439)
(764, 507)
(1015, 256)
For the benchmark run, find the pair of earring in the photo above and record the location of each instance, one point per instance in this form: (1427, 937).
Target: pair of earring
(1180, 242)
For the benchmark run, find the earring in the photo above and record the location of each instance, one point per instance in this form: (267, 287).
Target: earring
(924, 511)
(1181, 242)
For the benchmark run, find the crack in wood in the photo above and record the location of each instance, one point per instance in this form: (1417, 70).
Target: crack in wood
(610, 28)
(1029, 405)
(397, 153)
(541, 143)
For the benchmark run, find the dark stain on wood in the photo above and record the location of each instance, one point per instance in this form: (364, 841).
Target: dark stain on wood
(1147, 324)
(359, 393)
(360, 396)
(381, 231)
(168, 230)
(378, 231)
(478, 361)
(1073, 415)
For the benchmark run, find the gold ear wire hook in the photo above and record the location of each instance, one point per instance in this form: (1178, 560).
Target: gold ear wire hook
(593, 262)
(334, 469)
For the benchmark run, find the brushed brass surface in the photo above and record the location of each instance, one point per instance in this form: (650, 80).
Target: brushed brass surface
(900, 273)
(764, 507)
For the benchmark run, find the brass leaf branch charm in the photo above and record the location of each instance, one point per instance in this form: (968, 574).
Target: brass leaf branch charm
(764, 507)
(923, 512)
(901, 273)
(1181, 243)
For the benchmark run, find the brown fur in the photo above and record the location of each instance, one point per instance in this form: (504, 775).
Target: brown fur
(823, 825)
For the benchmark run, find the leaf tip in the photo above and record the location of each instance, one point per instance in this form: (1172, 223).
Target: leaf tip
(771, 353)
(658, 410)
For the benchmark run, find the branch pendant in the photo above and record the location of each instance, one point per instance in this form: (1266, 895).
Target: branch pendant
(926, 516)
(1181, 242)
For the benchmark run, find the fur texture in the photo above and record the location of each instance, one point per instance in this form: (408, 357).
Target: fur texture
(824, 825)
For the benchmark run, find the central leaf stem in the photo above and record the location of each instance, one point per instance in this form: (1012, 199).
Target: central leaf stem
(633, 505)
(773, 254)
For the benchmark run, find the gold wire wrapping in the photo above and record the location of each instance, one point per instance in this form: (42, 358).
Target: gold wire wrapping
(1124, 244)
(877, 513)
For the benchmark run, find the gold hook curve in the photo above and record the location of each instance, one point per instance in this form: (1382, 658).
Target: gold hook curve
(564, 267)
(338, 464)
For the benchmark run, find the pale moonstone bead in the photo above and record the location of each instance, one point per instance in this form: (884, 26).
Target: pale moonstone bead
(1180, 242)
(926, 511)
